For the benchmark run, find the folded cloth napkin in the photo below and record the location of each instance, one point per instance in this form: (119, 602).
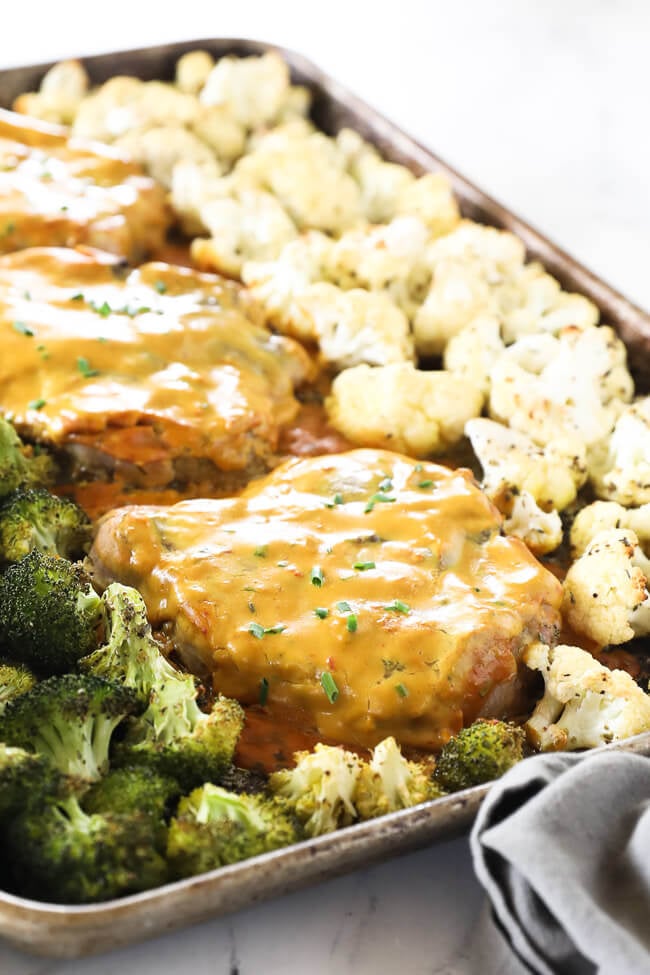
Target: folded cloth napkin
(562, 847)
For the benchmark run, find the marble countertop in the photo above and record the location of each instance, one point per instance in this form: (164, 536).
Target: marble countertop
(544, 105)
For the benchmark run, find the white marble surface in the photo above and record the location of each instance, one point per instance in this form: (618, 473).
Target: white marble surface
(545, 106)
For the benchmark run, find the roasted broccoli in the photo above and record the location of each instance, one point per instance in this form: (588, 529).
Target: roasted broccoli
(62, 854)
(133, 789)
(49, 613)
(21, 466)
(479, 753)
(69, 719)
(174, 735)
(130, 655)
(214, 827)
(389, 782)
(34, 518)
(15, 679)
(26, 780)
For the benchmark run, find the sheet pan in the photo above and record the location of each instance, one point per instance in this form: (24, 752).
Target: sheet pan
(70, 931)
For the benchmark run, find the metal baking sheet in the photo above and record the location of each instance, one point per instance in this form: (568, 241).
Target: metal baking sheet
(62, 931)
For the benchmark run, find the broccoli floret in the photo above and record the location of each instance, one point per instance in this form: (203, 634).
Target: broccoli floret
(133, 789)
(130, 654)
(479, 753)
(389, 782)
(178, 739)
(49, 613)
(214, 827)
(321, 787)
(26, 780)
(60, 853)
(34, 518)
(21, 466)
(70, 719)
(15, 679)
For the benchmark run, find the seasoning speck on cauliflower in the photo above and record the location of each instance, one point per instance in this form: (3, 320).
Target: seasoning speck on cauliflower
(402, 408)
(584, 704)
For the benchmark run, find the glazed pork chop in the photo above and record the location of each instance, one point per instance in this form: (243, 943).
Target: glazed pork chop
(58, 190)
(362, 593)
(158, 375)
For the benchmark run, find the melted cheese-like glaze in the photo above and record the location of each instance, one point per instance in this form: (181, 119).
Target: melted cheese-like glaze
(159, 369)
(60, 190)
(237, 585)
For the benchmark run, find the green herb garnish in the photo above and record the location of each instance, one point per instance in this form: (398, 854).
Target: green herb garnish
(321, 612)
(317, 576)
(260, 551)
(425, 484)
(23, 329)
(397, 606)
(344, 607)
(364, 566)
(264, 691)
(378, 498)
(260, 631)
(401, 690)
(85, 368)
(329, 686)
(351, 623)
(160, 287)
(37, 404)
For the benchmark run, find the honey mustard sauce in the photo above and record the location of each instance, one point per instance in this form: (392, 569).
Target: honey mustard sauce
(362, 593)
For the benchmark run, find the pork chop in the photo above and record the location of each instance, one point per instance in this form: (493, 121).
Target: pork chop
(361, 595)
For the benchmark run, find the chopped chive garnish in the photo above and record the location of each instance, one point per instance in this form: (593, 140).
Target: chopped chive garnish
(329, 686)
(260, 631)
(104, 309)
(260, 551)
(418, 468)
(37, 404)
(337, 499)
(43, 351)
(77, 297)
(317, 576)
(386, 484)
(85, 369)
(264, 691)
(321, 612)
(363, 566)
(401, 690)
(27, 296)
(379, 498)
(425, 484)
(344, 607)
(23, 329)
(282, 564)
(160, 287)
(351, 623)
(397, 606)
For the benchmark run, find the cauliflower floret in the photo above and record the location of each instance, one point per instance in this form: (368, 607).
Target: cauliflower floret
(513, 463)
(320, 787)
(540, 530)
(383, 258)
(471, 353)
(192, 71)
(60, 95)
(253, 89)
(159, 149)
(468, 265)
(389, 782)
(280, 285)
(533, 301)
(584, 704)
(430, 198)
(357, 326)
(125, 103)
(620, 468)
(192, 187)
(402, 408)
(605, 590)
(600, 515)
(252, 227)
(225, 136)
(296, 104)
(572, 385)
(382, 184)
(307, 174)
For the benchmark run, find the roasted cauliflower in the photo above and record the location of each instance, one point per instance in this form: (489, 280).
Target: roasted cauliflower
(571, 386)
(540, 530)
(161, 147)
(620, 466)
(61, 92)
(402, 408)
(192, 71)
(471, 353)
(513, 463)
(606, 589)
(601, 515)
(253, 89)
(584, 704)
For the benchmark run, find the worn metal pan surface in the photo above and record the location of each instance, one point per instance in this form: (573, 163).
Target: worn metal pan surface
(62, 931)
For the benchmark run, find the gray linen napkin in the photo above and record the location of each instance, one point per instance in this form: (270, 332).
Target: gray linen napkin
(562, 847)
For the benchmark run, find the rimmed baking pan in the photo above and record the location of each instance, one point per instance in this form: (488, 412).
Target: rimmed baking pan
(70, 931)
